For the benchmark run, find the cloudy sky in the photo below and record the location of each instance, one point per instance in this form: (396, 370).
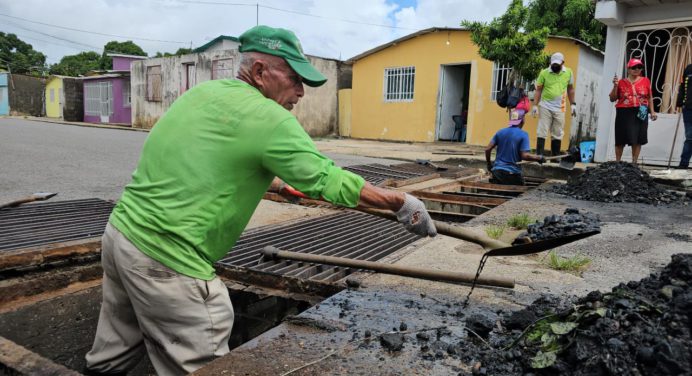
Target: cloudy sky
(327, 28)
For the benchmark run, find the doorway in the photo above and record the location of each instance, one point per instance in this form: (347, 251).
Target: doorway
(453, 100)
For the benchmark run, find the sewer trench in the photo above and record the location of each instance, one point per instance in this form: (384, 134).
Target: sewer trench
(69, 318)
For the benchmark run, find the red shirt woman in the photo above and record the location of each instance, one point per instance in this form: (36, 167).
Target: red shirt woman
(627, 89)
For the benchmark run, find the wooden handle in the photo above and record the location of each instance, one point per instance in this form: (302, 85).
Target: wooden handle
(405, 271)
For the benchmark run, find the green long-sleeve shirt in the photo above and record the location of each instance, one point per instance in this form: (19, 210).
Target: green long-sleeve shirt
(204, 168)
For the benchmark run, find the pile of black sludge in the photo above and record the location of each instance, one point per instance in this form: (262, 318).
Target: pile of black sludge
(555, 226)
(639, 328)
(616, 182)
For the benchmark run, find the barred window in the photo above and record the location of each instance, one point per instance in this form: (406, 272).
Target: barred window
(501, 79)
(399, 84)
(127, 100)
(92, 98)
(154, 83)
(221, 68)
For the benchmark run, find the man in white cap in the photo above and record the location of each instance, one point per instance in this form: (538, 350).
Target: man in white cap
(552, 85)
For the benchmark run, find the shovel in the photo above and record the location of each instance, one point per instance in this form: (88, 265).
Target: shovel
(567, 161)
(35, 197)
(492, 247)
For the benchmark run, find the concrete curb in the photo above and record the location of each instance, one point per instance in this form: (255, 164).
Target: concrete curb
(76, 123)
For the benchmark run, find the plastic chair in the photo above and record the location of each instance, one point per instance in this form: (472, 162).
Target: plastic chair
(459, 126)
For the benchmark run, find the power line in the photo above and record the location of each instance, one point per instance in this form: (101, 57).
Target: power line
(91, 32)
(203, 2)
(52, 36)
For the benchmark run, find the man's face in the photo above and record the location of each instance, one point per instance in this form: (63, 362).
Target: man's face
(282, 84)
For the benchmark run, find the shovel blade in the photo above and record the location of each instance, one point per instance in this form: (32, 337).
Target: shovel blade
(567, 163)
(539, 246)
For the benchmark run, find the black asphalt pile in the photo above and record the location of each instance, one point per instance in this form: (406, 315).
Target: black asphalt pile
(555, 226)
(617, 182)
(639, 328)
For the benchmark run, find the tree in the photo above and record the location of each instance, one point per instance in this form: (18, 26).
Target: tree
(76, 65)
(508, 41)
(181, 51)
(20, 56)
(569, 18)
(126, 48)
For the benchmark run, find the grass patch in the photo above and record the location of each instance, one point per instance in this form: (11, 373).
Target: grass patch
(573, 264)
(520, 221)
(495, 231)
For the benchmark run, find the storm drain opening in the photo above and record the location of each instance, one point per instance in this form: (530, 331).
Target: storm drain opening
(61, 329)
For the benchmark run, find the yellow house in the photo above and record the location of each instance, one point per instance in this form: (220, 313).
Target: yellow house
(64, 98)
(409, 89)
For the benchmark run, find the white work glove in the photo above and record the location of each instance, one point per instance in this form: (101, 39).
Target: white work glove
(534, 111)
(415, 218)
(574, 111)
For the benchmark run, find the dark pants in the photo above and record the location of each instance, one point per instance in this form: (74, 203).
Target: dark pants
(506, 178)
(687, 146)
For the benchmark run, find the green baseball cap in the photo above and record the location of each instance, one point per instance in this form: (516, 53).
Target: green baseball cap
(282, 43)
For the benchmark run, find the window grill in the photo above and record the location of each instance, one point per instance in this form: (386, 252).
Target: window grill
(665, 53)
(154, 83)
(399, 84)
(221, 69)
(127, 99)
(501, 74)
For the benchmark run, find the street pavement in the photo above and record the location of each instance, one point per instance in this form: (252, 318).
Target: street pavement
(78, 162)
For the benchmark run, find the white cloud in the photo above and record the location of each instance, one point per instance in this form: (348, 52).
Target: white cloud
(195, 24)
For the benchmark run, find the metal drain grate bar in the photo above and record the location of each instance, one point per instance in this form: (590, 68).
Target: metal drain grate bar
(33, 225)
(376, 173)
(347, 234)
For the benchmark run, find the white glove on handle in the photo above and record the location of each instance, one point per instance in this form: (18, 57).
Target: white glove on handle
(415, 218)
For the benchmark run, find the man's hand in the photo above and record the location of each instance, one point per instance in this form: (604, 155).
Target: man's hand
(541, 159)
(489, 166)
(415, 218)
(574, 111)
(534, 111)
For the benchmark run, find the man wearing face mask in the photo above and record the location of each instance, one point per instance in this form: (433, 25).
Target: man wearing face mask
(552, 86)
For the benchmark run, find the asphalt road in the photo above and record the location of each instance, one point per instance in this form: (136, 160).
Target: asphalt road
(77, 162)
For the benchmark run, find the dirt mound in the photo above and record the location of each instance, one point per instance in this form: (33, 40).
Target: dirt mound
(616, 182)
(639, 328)
(555, 226)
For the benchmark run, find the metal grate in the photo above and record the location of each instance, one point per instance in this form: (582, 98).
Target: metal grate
(348, 234)
(377, 173)
(33, 225)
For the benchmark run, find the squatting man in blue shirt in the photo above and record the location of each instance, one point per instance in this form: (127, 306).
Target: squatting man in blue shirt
(512, 146)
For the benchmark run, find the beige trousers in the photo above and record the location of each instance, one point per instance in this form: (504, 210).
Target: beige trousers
(553, 121)
(182, 322)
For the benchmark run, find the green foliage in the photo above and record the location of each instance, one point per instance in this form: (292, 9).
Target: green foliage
(76, 65)
(570, 18)
(181, 51)
(544, 359)
(126, 48)
(520, 221)
(495, 231)
(575, 263)
(509, 40)
(20, 56)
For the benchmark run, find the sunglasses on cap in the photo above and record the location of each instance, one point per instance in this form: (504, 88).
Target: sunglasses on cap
(637, 67)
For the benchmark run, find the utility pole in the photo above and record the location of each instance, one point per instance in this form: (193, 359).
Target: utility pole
(257, 14)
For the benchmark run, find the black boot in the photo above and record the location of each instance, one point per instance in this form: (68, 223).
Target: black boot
(555, 147)
(540, 145)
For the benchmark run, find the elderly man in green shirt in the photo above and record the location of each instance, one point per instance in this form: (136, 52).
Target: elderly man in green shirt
(552, 85)
(202, 172)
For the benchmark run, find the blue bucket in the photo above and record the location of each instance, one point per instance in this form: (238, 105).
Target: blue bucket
(587, 149)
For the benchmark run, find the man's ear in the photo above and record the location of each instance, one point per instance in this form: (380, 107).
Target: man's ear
(256, 71)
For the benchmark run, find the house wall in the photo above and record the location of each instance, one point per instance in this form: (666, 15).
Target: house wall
(587, 94)
(53, 102)
(123, 63)
(373, 118)
(4, 95)
(618, 18)
(317, 110)
(345, 112)
(121, 114)
(73, 108)
(26, 95)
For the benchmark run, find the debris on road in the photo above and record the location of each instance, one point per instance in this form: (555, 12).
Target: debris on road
(557, 226)
(617, 182)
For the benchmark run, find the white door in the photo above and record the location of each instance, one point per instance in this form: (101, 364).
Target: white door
(106, 100)
(665, 51)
